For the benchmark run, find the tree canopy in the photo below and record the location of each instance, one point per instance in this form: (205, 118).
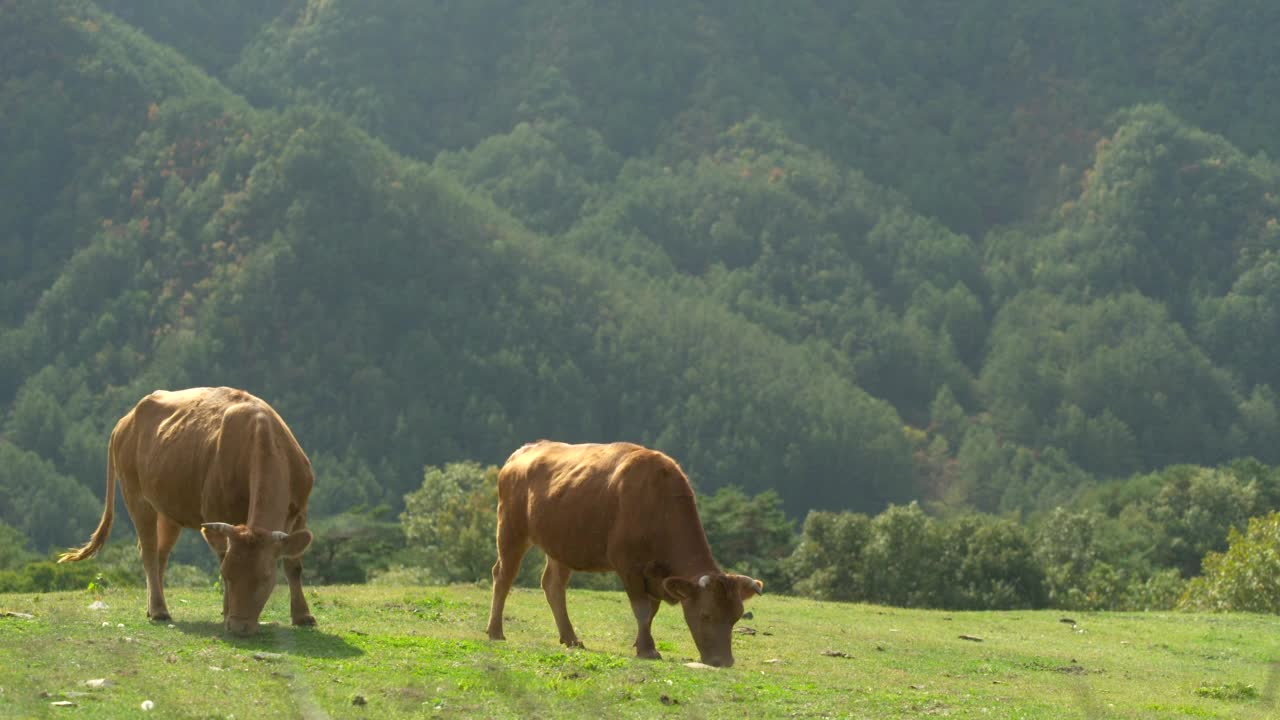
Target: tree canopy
(857, 254)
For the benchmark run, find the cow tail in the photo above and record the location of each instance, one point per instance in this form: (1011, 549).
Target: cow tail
(108, 514)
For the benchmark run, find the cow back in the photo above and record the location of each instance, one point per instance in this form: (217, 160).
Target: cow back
(214, 455)
(596, 507)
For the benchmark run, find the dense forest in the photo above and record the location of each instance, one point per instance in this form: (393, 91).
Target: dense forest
(997, 258)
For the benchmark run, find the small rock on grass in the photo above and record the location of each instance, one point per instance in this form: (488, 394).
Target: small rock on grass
(836, 653)
(19, 615)
(971, 638)
(699, 666)
(267, 656)
(97, 683)
(62, 703)
(98, 605)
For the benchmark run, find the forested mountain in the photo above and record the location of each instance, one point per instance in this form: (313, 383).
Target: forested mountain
(860, 253)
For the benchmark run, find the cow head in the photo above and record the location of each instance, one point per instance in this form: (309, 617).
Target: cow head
(712, 603)
(249, 568)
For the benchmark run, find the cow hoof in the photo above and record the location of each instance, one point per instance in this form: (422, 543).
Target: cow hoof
(497, 636)
(575, 643)
(648, 655)
(305, 621)
(159, 617)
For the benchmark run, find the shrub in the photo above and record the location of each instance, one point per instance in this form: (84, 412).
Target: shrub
(991, 566)
(1246, 578)
(350, 546)
(827, 562)
(49, 576)
(903, 559)
(451, 524)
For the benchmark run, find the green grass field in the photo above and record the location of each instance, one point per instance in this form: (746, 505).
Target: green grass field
(421, 652)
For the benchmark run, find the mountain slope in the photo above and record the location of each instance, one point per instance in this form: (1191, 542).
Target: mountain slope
(861, 253)
(395, 320)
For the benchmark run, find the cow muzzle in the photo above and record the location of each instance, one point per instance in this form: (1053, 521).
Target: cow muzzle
(238, 626)
(724, 662)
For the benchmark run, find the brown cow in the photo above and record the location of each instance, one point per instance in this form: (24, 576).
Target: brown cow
(618, 507)
(223, 461)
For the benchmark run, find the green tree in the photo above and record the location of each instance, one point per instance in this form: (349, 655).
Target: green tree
(903, 559)
(946, 417)
(1245, 578)
(828, 561)
(990, 564)
(344, 484)
(14, 552)
(450, 522)
(1066, 549)
(48, 508)
(1194, 510)
(751, 535)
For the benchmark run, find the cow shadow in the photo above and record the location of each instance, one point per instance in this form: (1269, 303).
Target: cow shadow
(284, 639)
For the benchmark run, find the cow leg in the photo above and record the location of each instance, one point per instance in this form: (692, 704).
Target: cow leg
(555, 578)
(167, 532)
(511, 551)
(298, 609)
(645, 609)
(146, 522)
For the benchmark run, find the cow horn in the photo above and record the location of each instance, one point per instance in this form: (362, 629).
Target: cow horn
(704, 581)
(220, 528)
(759, 587)
(279, 536)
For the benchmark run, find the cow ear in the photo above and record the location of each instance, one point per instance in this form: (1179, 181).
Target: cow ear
(679, 588)
(748, 586)
(295, 543)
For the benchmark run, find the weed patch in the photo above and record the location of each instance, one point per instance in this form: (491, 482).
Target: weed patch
(1228, 691)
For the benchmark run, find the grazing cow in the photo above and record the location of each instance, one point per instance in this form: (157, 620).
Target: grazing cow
(223, 461)
(618, 507)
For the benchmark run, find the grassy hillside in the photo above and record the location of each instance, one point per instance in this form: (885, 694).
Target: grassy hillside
(395, 652)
